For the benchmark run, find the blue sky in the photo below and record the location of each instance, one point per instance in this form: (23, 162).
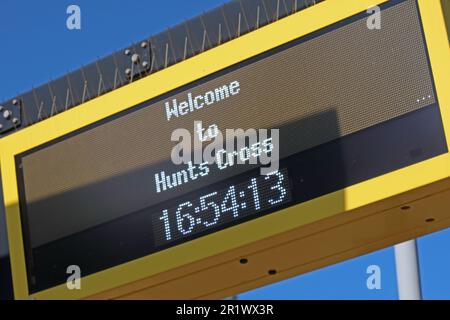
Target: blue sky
(36, 46)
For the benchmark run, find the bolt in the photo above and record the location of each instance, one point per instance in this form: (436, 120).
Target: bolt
(2, 108)
(144, 44)
(7, 114)
(145, 64)
(135, 58)
(15, 102)
(1, 126)
(127, 52)
(15, 120)
(128, 71)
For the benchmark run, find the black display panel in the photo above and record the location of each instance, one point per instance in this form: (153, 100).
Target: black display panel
(350, 104)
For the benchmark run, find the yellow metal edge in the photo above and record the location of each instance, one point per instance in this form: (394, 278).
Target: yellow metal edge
(439, 50)
(13, 225)
(446, 11)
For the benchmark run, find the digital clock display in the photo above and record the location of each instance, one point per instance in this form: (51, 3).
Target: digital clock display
(350, 104)
(218, 207)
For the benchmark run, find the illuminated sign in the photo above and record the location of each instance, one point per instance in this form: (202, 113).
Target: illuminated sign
(351, 104)
(258, 194)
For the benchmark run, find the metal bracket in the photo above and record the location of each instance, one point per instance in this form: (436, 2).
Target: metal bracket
(137, 60)
(10, 115)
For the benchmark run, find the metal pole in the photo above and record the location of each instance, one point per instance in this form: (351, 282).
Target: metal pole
(407, 267)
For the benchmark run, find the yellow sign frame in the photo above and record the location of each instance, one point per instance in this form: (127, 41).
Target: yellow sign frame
(239, 49)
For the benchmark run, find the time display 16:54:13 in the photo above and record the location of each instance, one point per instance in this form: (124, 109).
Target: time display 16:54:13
(227, 205)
